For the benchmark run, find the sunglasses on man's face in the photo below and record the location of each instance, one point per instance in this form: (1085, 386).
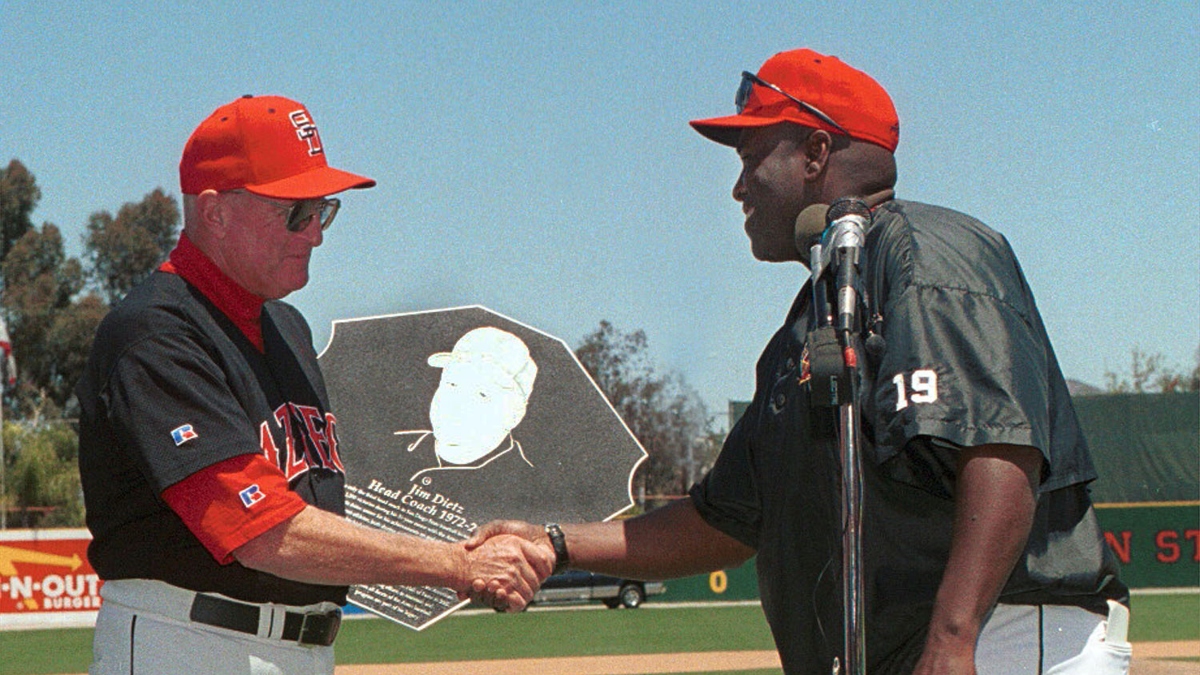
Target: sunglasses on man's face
(749, 79)
(302, 212)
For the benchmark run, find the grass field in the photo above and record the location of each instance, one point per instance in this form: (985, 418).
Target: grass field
(553, 633)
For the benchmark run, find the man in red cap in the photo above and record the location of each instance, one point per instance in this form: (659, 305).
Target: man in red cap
(981, 548)
(208, 452)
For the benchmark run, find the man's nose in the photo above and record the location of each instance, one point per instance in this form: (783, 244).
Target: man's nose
(313, 232)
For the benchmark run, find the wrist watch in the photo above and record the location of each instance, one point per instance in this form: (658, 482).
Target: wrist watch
(559, 542)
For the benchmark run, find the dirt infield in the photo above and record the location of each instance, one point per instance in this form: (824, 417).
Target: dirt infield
(1150, 658)
(634, 664)
(1147, 661)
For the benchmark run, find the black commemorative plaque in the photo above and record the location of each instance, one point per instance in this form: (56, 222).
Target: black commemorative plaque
(447, 419)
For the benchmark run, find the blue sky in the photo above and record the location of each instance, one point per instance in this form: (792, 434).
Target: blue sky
(534, 157)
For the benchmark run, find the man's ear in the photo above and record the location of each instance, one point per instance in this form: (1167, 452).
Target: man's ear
(817, 148)
(213, 213)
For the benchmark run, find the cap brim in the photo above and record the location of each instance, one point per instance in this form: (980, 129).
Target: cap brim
(320, 182)
(727, 130)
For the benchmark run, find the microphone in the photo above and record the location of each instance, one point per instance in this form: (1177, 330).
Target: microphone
(806, 235)
(842, 244)
(807, 231)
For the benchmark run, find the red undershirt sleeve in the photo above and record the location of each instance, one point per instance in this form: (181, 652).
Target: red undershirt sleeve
(233, 501)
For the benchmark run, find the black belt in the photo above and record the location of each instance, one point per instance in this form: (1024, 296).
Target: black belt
(313, 628)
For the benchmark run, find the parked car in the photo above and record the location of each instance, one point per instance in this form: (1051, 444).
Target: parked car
(579, 586)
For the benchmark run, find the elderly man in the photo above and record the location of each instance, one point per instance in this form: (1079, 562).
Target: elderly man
(208, 452)
(982, 551)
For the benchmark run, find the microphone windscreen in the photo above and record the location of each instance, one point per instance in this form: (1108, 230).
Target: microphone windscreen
(875, 346)
(847, 206)
(809, 226)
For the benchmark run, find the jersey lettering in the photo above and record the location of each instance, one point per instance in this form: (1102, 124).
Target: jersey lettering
(312, 418)
(309, 441)
(924, 388)
(297, 459)
(924, 385)
(267, 442)
(331, 433)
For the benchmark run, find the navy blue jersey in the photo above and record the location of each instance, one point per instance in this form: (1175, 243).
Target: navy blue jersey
(172, 387)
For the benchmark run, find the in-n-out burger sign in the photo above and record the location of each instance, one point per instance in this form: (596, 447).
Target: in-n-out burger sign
(45, 573)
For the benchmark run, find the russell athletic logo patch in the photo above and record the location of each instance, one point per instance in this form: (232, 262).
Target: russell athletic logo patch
(183, 434)
(251, 495)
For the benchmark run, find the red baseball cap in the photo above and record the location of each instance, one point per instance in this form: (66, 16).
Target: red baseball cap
(267, 145)
(849, 97)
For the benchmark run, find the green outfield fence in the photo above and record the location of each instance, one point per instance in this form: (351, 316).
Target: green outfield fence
(1157, 545)
(1146, 448)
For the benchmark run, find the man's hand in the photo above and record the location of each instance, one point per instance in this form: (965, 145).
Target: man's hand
(504, 571)
(947, 660)
(527, 531)
(490, 591)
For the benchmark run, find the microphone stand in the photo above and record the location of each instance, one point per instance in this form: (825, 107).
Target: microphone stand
(840, 258)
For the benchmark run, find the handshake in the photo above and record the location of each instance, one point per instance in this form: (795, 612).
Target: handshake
(506, 563)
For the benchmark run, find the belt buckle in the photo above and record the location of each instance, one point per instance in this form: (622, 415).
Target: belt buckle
(320, 628)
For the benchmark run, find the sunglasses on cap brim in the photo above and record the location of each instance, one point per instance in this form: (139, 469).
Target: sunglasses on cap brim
(749, 79)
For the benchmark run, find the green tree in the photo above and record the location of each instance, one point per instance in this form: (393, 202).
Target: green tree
(1193, 381)
(19, 194)
(40, 283)
(69, 341)
(41, 487)
(1149, 373)
(664, 414)
(52, 315)
(123, 250)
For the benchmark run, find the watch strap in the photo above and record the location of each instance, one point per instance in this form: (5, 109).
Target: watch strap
(559, 542)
